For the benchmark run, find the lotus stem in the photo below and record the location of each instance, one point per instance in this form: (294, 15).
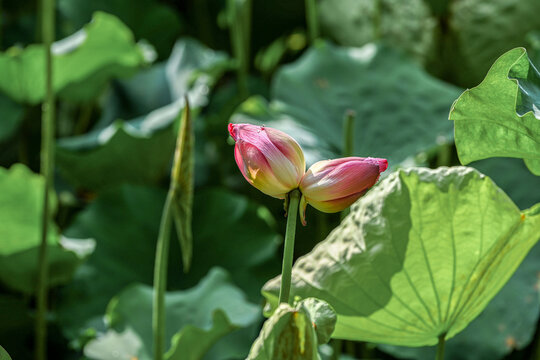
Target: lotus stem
(440, 347)
(47, 169)
(288, 252)
(160, 277)
(312, 20)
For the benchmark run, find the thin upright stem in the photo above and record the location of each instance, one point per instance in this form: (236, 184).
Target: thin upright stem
(440, 347)
(348, 143)
(160, 277)
(312, 20)
(288, 252)
(240, 33)
(348, 133)
(47, 168)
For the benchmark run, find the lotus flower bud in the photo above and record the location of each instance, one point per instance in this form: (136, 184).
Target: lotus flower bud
(269, 159)
(333, 185)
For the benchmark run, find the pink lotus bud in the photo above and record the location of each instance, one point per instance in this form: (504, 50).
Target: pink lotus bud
(268, 158)
(333, 185)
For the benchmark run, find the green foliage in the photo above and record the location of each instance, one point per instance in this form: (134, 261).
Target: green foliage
(82, 63)
(140, 149)
(182, 185)
(421, 255)
(294, 333)
(3, 354)
(21, 206)
(507, 323)
(149, 19)
(127, 219)
(408, 26)
(12, 114)
(457, 40)
(383, 88)
(196, 318)
(499, 117)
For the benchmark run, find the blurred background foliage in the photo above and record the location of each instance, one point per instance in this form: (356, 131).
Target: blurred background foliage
(122, 69)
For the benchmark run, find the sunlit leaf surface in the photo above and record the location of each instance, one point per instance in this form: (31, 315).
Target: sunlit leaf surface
(501, 116)
(420, 256)
(83, 62)
(294, 332)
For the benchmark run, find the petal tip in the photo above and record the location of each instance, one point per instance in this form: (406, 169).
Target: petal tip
(383, 165)
(231, 131)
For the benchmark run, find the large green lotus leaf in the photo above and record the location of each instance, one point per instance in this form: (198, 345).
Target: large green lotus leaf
(408, 26)
(3, 354)
(156, 22)
(140, 149)
(482, 30)
(499, 117)
(128, 218)
(83, 62)
(294, 332)
(196, 318)
(21, 208)
(512, 176)
(508, 323)
(420, 256)
(383, 88)
(12, 115)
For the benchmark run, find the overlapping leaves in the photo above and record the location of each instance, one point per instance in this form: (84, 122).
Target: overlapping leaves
(294, 332)
(383, 88)
(83, 62)
(128, 218)
(420, 256)
(196, 319)
(21, 208)
(139, 149)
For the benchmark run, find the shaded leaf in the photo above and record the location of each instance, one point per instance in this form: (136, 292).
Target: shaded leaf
(480, 31)
(196, 318)
(21, 208)
(294, 333)
(140, 149)
(499, 118)
(151, 20)
(12, 115)
(408, 26)
(420, 255)
(387, 91)
(128, 218)
(83, 62)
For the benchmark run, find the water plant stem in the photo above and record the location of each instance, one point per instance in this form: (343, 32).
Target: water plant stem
(288, 252)
(160, 277)
(312, 20)
(348, 143)
(348, 133)
(47, 168)
(240, 32)
(164, 235)
(440, 347)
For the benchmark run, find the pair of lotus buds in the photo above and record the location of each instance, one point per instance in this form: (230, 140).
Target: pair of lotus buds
(274, 163)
